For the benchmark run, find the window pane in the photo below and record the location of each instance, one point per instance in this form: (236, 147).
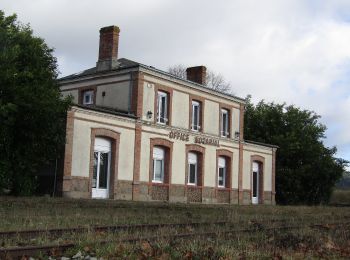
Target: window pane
(224, 123)
(255, 182)
(88, 97)
(221, 176)
(162, 113)
(158, 170)
(163, 109)
(195, 117)
(94, 174)
(102, 182)
(192, 173)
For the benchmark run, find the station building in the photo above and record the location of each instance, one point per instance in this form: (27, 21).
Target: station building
(139, 133)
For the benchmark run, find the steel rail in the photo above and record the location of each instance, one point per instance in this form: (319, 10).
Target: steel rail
(60, 231)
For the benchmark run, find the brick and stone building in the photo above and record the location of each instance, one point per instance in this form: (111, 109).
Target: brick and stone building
(139, 133)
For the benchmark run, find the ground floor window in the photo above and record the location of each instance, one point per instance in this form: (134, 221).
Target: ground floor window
(158, 164)
(257, 182)
(192, 168)
(222, 171)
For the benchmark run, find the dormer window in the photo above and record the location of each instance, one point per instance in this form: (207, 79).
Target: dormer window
(88, 97)
(196, 116)
(225, 126)
(162, 113)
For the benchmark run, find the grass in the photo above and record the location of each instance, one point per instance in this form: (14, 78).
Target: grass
(306, 242)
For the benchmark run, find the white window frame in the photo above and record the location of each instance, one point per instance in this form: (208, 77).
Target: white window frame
(195, 126)
(161, 95)
(102, 145)
(222, 163)
(88, 93)
(158, 155)
(225, 130)
(192, 159)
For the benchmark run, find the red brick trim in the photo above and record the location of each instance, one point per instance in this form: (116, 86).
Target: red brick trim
(137, 161)
(137, 93)
(201, 100)
(240, 165)
(241, 122)
(115, 139)
(273, 181)
(169, 92)
(67, 171)
(261, 161)
(200, 150)
(87, 88)
(229, 109)
(168, 146)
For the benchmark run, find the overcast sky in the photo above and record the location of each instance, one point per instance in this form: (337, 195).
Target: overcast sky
(293, 51)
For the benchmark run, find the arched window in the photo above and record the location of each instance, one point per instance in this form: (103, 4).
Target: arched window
(158, 164)
(222, 172)
(192, 168)
(257, 179)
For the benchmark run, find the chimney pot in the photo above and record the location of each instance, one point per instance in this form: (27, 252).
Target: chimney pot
(108, 50)
(197, 74)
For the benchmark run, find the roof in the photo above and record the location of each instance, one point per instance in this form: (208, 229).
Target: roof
(123, 64)
(260, 143)
(107, 110)
(129, 64)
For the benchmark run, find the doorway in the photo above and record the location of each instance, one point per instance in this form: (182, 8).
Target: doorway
(255, 183)
(101, 168)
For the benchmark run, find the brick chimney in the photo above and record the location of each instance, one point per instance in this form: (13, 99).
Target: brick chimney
(108, 51)
(197, 74)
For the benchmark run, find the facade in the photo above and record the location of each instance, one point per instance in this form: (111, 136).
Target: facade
(138, 133)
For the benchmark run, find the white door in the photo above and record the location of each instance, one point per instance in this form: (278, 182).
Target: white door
(102, 166)
(255, 183)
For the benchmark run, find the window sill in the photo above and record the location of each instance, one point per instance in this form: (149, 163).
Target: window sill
(158, 182)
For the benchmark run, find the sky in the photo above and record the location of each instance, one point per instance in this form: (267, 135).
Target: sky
(293, 51)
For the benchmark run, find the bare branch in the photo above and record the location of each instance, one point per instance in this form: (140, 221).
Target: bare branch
(214, 81)
(178, 71)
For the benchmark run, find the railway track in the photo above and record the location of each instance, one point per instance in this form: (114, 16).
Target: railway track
(58, 249)
(114, 228)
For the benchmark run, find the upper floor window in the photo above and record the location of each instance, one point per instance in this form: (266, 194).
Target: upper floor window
(222, 171)
(162, 113)
(192, 169)
(88, 97)
(196, 116)
(225, 127)
(158, 164)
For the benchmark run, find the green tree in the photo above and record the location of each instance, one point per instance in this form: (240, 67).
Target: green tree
(32, 113)
(306, 170)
